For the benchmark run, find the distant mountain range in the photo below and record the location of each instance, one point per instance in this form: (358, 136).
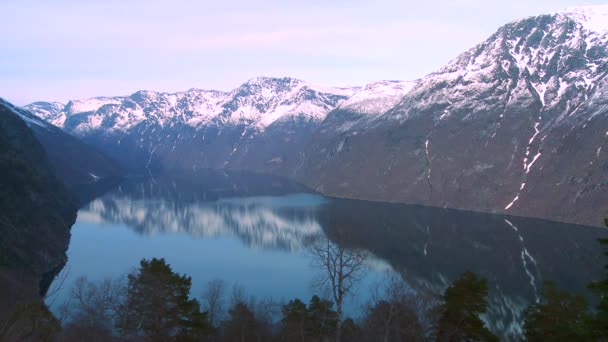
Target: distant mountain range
(517, 124)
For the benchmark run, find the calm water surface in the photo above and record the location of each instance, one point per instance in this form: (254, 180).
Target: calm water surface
(254, 230)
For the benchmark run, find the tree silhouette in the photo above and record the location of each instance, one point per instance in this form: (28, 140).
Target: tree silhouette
(351, 332)
(241, 326)
(393, 322)
(323, 318)
(295, 321)
(340, 270)
(157, 305)
(464, 301)
(560, 316)
(599, 322)
(393, 314)
(213, 300)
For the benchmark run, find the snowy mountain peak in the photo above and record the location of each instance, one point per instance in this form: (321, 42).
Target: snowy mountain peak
(592, 18)
(259, 102)
(262, 101)
(544, 59)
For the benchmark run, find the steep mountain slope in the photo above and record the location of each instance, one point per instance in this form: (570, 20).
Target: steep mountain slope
(517, 124)
(77, 164)
(36, 213)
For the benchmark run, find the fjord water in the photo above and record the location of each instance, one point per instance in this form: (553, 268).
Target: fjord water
(253, 230)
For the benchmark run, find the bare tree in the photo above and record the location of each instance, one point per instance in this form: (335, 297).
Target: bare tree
(56, 286)
(213, 300)
(238, 295)
(340, 269)
(392, 314)
(424, 300)
(95, 303)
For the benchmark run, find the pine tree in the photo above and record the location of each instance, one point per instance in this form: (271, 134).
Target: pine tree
(322, 318)
(560, 316)
(351, 332)
(241, 326)
(599, 322)
(158, 307)
(464, 301)
(295, 321)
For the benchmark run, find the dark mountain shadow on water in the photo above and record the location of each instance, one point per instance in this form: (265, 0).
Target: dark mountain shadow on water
(431, 247)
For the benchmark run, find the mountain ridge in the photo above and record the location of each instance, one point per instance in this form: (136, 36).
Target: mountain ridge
(517, 124)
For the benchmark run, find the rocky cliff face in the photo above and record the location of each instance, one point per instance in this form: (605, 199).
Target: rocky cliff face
(36, 213)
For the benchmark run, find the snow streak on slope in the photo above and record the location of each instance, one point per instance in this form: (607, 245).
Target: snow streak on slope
(525, 255)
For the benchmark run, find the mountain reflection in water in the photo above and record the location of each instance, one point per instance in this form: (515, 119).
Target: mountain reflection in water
(429, 247)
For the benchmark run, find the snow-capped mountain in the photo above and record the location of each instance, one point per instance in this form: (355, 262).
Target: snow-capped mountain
(377, 97)
(202, 128)
(517, 124)
(259, 103)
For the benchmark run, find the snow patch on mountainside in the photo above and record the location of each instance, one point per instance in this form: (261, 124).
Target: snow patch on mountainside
(90, 105)
(48, 111)
(262, 101)
(378, 97)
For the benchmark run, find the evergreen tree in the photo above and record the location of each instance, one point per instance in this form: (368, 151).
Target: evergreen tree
(393, 321)
(560, 316)
(464, 301)
(599, 322)
(322, 319)
(158, 307)
(241, 326)
(351, 332)
(295, 322)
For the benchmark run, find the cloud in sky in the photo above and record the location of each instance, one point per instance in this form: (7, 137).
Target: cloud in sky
(70, 49)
